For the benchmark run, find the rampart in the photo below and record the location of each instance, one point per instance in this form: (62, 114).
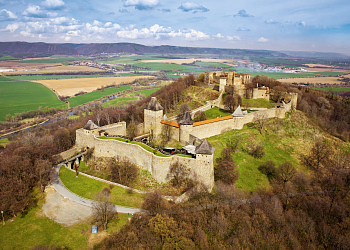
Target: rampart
(201, 168)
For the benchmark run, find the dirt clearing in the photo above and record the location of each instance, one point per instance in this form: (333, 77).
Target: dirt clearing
(69, 87)
(320, 80)
(62, 210)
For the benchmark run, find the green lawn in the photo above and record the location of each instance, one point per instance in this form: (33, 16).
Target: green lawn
(52, 77)
(162, 66)
(54, 60)
(34, 228)
(117, 101)
(88, 97)
(20, 96)
(6, 79)
(257, 103)
(88, 188)
(147, 92)
(279, 75)
(216, 112)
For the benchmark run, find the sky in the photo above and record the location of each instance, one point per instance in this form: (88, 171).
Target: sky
(294, 25)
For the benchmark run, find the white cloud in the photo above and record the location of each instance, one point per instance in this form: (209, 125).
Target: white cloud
(53, 4)
(231, 38)
(218, 36)
(6, 15)
(243, 29)
(194, 35)
(263, 40)
(190, 6)
(271, 21)
(142, 4)
(36, 12)
(97, 23)
(243, 13)
(302, 23)
(12, 27)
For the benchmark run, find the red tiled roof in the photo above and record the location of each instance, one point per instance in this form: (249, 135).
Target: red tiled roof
(174, 124)
(212, 120)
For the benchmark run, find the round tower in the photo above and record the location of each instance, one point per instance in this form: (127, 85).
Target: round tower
(205, 164)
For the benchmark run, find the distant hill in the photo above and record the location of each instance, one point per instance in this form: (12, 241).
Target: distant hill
(24, 49)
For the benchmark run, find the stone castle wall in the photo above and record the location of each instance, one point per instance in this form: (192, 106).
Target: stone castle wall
(201, 168)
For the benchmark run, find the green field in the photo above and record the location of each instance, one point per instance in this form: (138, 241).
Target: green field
(52, 77)
(117, 101)
(216, 112)
(7, 58)
(212, 65)
(278, 75)
(337, 90)
(63, 60)
(88, 188)
(20, 96)
(88, 97)
(34, 228)
(147, 92)
(6, 79)
(162, 66)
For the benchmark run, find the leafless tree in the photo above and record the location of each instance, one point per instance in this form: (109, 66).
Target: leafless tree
(178, 172)
(131, 130)
(260, 118)
(104, 210)
(167, 132)
(106, 113)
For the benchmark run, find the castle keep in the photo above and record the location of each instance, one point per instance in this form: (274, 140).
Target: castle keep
(185, 131)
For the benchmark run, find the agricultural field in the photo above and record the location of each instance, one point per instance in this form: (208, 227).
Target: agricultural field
(216, 112)
(337, 89)
(88, 97)
(54, 77)
(70, 87)
(118, 101)
(147, 92)
(20, 96)
(45, 68)
(315, 80)
(58, 59)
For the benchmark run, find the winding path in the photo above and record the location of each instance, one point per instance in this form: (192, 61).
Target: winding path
(62, 190)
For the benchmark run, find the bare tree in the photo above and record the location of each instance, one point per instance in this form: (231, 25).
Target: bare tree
(178, 172)
(167, 132)
(106, 113)
(260, 118)
(131, 130)
(104, 210)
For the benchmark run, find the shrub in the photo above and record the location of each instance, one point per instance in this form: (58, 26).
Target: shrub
(123, 172)
(257, 151)
(199, 116)
(268, 168)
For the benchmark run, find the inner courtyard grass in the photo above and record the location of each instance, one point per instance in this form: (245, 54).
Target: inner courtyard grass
(88, 188)
(257, 103)
(216, 112)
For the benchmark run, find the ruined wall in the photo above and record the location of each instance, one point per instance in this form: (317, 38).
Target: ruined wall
(261, 93)
(201, 170)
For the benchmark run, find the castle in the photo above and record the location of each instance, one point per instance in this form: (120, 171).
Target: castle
(185, 131)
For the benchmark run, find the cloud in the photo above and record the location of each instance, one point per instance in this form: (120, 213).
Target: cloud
(242, 13)
(243, 29)
(6, 15)
(231, 38)
(36, 12)
(195, 7)
(218, 36)
(12, 27)
(263, 40)
(123, 11)
(271, 21)
(142, 4)
(165, 10)
(194, 35)
(53, 4)
(302, 24)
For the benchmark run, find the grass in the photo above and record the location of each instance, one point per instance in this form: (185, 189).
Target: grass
(54, 60)
(257, 103)
(280, 75)
(147, 92)
(144, 146)
(284, 140)
(88, 188)
(117, 101)
(345, 89)
(216, 112)
(34, 228)
(53, 77)
(162, 66)
(20, 96)
(5, 79)
(4, 141)
(88, 97)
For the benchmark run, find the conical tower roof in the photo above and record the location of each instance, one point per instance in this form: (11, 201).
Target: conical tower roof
(153, 104)
(90, 125)
(186, 119)
(205, 148)
(238, 112)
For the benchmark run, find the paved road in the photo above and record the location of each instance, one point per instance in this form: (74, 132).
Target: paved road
(61, 189)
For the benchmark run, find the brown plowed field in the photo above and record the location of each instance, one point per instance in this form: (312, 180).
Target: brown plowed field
(69, 87)
(321, 80)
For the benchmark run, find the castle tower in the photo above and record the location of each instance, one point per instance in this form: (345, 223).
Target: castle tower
(205, 164)
(185, 128)
(153, 113)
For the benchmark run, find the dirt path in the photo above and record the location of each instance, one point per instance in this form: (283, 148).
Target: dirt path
(64, 211)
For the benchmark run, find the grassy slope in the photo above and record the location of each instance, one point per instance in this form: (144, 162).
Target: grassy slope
(215, 113)
(147, 92)
(20, 96)
(88, 188)
(88, 97)
(257, 103)
(117, 101)
(35, 228)
(284, 140)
